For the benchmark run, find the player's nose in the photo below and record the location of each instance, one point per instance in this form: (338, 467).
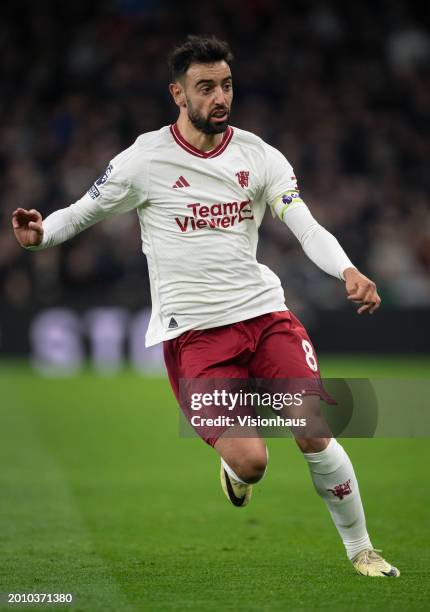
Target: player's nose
(220, 97)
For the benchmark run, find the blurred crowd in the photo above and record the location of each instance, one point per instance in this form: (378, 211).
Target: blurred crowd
(342, 89)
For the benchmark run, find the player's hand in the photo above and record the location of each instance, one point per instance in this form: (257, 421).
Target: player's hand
(27, 227)
(361, 290)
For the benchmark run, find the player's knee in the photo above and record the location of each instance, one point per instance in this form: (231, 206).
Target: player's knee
(251, 467)
(312, 445)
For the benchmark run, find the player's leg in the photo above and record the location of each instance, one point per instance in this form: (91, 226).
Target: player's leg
(243, 463)
(286, 352)
(335, 481)
(333, 477)
(209, 357)
(245, 459)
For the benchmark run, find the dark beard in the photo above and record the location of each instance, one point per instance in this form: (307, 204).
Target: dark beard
(203, 124)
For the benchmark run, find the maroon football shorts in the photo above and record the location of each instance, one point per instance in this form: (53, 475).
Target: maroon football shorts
(271, 346)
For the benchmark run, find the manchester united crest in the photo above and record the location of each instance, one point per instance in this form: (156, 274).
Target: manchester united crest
(243, 178)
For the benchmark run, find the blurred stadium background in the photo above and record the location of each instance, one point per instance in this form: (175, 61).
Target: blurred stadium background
(97, 491)
(341, 88)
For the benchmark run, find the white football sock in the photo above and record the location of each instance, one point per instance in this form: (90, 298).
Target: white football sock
(334, 479)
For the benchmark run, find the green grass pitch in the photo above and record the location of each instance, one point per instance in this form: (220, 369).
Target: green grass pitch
(100, 497)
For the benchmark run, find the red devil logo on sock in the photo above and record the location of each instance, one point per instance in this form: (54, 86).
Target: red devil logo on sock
(341, 490)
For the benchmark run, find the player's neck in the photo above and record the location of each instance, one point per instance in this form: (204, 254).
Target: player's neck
(196, 138)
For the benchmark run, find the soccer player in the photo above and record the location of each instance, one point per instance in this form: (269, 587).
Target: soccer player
(200, 188)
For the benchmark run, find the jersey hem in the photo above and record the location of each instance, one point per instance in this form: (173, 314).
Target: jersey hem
(237, 318)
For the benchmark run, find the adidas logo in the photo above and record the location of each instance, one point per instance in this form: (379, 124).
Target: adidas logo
(173, 324)
(181, 182)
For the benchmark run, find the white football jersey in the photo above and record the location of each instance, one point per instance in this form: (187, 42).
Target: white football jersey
(199, 215)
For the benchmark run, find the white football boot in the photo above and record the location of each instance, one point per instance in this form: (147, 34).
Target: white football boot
(369, 563)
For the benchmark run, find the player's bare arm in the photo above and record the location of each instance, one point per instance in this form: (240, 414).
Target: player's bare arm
(27, 226)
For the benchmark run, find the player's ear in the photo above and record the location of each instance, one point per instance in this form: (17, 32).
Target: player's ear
(178, 94)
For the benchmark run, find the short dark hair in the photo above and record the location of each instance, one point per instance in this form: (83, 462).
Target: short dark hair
(200, 49)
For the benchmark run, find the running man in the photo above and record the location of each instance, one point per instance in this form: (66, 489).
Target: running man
(200, 188)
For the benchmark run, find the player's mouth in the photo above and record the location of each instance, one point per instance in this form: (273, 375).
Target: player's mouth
(221, 114)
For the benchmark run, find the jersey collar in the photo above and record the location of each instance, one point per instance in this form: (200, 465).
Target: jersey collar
(197, 152)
